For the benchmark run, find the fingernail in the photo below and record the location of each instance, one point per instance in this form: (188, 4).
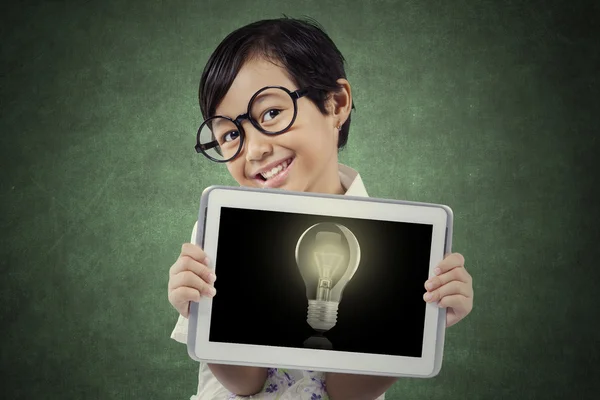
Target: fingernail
(427, 296)
(212, 277)
(212, 291)
(429, 285)
(437, 271)
(206, 261)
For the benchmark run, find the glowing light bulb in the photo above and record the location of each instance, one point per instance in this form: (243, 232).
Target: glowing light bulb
(327, 255)
(328, 259)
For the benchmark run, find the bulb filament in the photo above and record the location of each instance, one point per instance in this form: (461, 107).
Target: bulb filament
(327, 264)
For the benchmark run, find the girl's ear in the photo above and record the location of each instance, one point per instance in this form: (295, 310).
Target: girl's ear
(342, 102)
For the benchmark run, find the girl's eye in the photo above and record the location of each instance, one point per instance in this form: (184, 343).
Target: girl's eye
(230, 136)
(271, 114)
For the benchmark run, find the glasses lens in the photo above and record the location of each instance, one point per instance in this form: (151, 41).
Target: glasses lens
(273, 110)
(220, 138)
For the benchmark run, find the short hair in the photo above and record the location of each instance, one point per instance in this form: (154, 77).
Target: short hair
(300, 46)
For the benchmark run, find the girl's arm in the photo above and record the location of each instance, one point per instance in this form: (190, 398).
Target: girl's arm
(243, 381)
(356, 387)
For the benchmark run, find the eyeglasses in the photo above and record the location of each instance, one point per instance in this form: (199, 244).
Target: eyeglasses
(272, 110)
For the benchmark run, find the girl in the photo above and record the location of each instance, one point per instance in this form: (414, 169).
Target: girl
(277, 108)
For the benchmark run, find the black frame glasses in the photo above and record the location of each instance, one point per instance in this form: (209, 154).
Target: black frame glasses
(203, 148)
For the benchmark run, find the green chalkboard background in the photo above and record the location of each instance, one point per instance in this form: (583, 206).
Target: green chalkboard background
(489, 107)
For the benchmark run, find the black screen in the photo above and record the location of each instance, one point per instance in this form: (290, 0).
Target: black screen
(262, 297)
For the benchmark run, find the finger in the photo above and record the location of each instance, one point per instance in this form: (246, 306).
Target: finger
(191, 280)
(181, 297)
(460, 304)
(449, 289)
(450, 262)
(193, 251)
(185, 263)
(456, 274)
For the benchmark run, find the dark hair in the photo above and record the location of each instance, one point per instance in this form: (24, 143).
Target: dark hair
(300, 46)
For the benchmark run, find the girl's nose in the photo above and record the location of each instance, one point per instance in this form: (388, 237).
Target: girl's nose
(258, 145)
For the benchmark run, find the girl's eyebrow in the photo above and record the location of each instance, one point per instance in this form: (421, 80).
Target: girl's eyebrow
(261, 97)
(216, 123)
(257, 100)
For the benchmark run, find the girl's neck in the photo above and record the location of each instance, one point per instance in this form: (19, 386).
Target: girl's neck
(333, 181)
(331, 184)
(339, 188)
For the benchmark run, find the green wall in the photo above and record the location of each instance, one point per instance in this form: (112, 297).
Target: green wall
(489, 107)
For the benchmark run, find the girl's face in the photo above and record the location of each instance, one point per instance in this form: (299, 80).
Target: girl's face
(302, 159)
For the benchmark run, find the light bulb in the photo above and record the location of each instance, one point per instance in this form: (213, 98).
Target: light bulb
(327, 255)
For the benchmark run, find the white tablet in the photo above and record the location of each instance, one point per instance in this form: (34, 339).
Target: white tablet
(320, 282)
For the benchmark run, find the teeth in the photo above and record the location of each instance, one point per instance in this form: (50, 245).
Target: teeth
(276, 170)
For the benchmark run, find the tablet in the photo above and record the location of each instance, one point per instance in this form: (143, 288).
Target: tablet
(320, 282)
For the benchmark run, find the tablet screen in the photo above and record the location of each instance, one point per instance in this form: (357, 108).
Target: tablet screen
(275, 267)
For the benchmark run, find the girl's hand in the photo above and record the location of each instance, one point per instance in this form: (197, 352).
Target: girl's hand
(452, 288)
(190, 278)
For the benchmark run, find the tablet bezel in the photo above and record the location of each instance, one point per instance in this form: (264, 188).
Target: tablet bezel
(215, 197)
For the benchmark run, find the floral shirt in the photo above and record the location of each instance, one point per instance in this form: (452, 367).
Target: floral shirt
(281, 384)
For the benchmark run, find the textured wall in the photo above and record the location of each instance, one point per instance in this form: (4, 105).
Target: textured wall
(489, 107)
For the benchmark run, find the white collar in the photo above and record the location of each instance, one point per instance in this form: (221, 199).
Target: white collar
(351, 181)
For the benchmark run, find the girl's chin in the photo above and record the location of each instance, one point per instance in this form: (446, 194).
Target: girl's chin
(288, 185)
(285, 186)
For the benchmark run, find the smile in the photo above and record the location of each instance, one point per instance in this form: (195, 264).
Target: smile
(273, 172)
(275, 176)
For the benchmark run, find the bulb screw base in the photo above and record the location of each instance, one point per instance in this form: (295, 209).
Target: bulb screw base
(322, 315)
